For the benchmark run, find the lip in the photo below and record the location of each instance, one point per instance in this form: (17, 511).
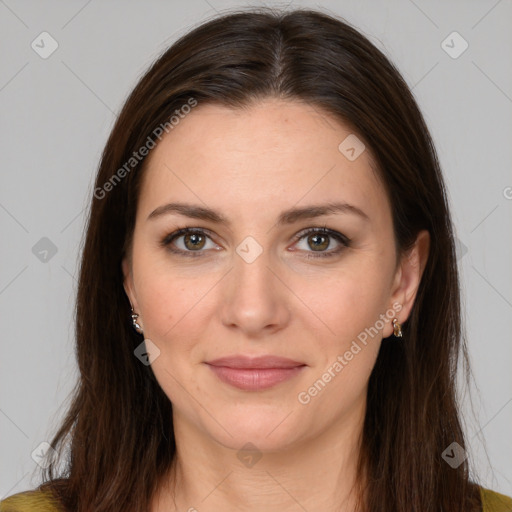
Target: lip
(259, 362)
(255, 373)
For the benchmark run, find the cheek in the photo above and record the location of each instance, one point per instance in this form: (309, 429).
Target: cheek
(168, 306)
(174, 319)
(346, 301)
(353, 307)
(159, 308)
(167, 296)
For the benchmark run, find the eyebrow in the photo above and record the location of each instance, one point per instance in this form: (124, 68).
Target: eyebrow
(286, 217)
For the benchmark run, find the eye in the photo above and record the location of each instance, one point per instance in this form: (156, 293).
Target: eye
(320, 239)
(190, 242)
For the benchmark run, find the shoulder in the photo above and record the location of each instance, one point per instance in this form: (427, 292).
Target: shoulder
(30, 501)
(494, 501)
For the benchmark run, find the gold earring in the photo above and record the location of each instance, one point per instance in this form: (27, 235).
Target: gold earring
(397, 328)
(135, 323)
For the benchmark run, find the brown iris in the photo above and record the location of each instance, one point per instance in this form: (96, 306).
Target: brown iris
(319, 246)
(196, 240)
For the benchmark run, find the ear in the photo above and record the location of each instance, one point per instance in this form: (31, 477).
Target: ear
(128, 282)
(408, 277)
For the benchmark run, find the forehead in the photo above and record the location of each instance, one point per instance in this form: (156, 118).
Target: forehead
(273, 153)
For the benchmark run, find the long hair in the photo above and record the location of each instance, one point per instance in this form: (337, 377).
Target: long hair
(116, 441)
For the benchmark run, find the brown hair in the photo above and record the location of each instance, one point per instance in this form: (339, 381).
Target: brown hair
(119, 424)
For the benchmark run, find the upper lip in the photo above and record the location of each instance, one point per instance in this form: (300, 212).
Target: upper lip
(241, 361)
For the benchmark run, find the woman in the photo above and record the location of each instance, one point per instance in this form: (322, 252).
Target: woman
(268, 309)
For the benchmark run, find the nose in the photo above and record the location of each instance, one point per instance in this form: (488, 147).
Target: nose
(255, 300)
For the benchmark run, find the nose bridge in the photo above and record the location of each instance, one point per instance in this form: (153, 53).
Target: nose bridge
(254, 298)
(251, 274)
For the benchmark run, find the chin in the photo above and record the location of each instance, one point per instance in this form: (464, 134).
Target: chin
(266, 431)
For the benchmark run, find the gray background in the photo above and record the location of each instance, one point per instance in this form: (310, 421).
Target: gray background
(57, 113)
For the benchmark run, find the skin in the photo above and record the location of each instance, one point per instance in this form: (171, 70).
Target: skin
(250, 165)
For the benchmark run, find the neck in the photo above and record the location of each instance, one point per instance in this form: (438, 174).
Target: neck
(316, 474)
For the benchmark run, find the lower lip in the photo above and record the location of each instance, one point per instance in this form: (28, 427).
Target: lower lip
(254, 379)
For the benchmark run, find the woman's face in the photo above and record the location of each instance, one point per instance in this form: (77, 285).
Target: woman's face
(252, 281)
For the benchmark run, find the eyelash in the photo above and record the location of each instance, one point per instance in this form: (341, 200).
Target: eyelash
(342, 239)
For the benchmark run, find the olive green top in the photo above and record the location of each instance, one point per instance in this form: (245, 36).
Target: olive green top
(38, 501)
